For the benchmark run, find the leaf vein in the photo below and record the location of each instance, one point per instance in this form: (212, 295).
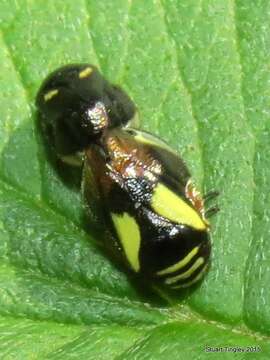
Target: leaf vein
(184, 82)
(236, 31)
(97, 55)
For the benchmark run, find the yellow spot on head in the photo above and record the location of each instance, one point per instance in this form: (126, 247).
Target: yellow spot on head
(169, 205)
(187, 273)
(180, 264)
(85, 72)
(129, 235)
(50, 94)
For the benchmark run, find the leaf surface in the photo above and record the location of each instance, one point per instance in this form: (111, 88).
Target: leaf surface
(199, 74)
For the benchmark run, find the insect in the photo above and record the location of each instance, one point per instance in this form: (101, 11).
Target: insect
(133, 182)
(75, 102)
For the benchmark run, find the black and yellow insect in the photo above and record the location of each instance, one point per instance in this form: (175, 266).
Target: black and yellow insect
(75, 103)
(141, 189)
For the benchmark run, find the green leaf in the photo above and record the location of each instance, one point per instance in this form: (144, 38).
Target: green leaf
(199, 73)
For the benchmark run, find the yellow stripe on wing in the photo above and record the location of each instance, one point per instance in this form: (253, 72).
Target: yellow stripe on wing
(180, 264)
(149, 139)
(193, 281)
(187, 273)
(169, 205)
(129, 235)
